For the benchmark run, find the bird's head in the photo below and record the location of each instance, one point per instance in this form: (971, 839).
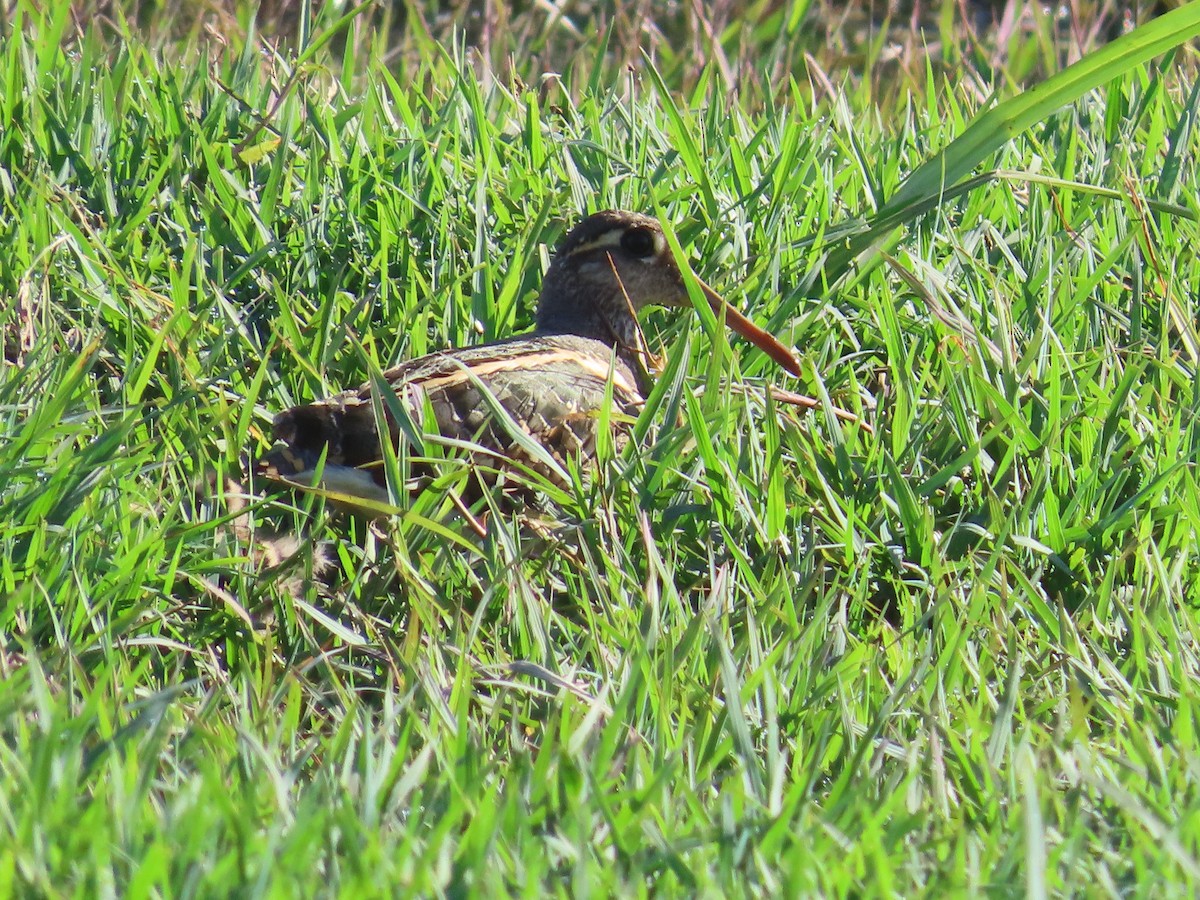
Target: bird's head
(611, 265)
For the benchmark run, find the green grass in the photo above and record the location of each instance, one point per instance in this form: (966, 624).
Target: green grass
(757, 652)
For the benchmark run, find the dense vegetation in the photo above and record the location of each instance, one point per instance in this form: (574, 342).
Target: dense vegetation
(947, 646)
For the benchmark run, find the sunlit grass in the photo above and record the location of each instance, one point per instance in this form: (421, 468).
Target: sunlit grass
(757, 651)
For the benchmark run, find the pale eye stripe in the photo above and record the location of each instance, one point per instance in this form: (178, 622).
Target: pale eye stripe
(612, 238)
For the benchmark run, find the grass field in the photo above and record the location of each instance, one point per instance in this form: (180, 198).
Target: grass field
(950, 648)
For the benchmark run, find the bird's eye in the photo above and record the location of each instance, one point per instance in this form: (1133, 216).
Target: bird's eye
(639, 242)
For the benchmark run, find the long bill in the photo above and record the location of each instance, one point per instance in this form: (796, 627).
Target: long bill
(764, 340)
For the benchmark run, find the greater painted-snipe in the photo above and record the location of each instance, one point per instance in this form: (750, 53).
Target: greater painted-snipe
(551, 381)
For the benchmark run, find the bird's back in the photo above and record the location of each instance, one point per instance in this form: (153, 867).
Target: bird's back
(551, 387)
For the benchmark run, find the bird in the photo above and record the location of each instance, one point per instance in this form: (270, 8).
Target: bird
(586, 349)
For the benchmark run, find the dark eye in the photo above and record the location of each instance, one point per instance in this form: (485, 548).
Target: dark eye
(638, 242)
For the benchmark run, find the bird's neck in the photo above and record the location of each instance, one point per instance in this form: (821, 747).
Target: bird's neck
(587, 301)
(617, 329)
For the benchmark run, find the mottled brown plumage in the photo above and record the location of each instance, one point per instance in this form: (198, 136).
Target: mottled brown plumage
(551, 382)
